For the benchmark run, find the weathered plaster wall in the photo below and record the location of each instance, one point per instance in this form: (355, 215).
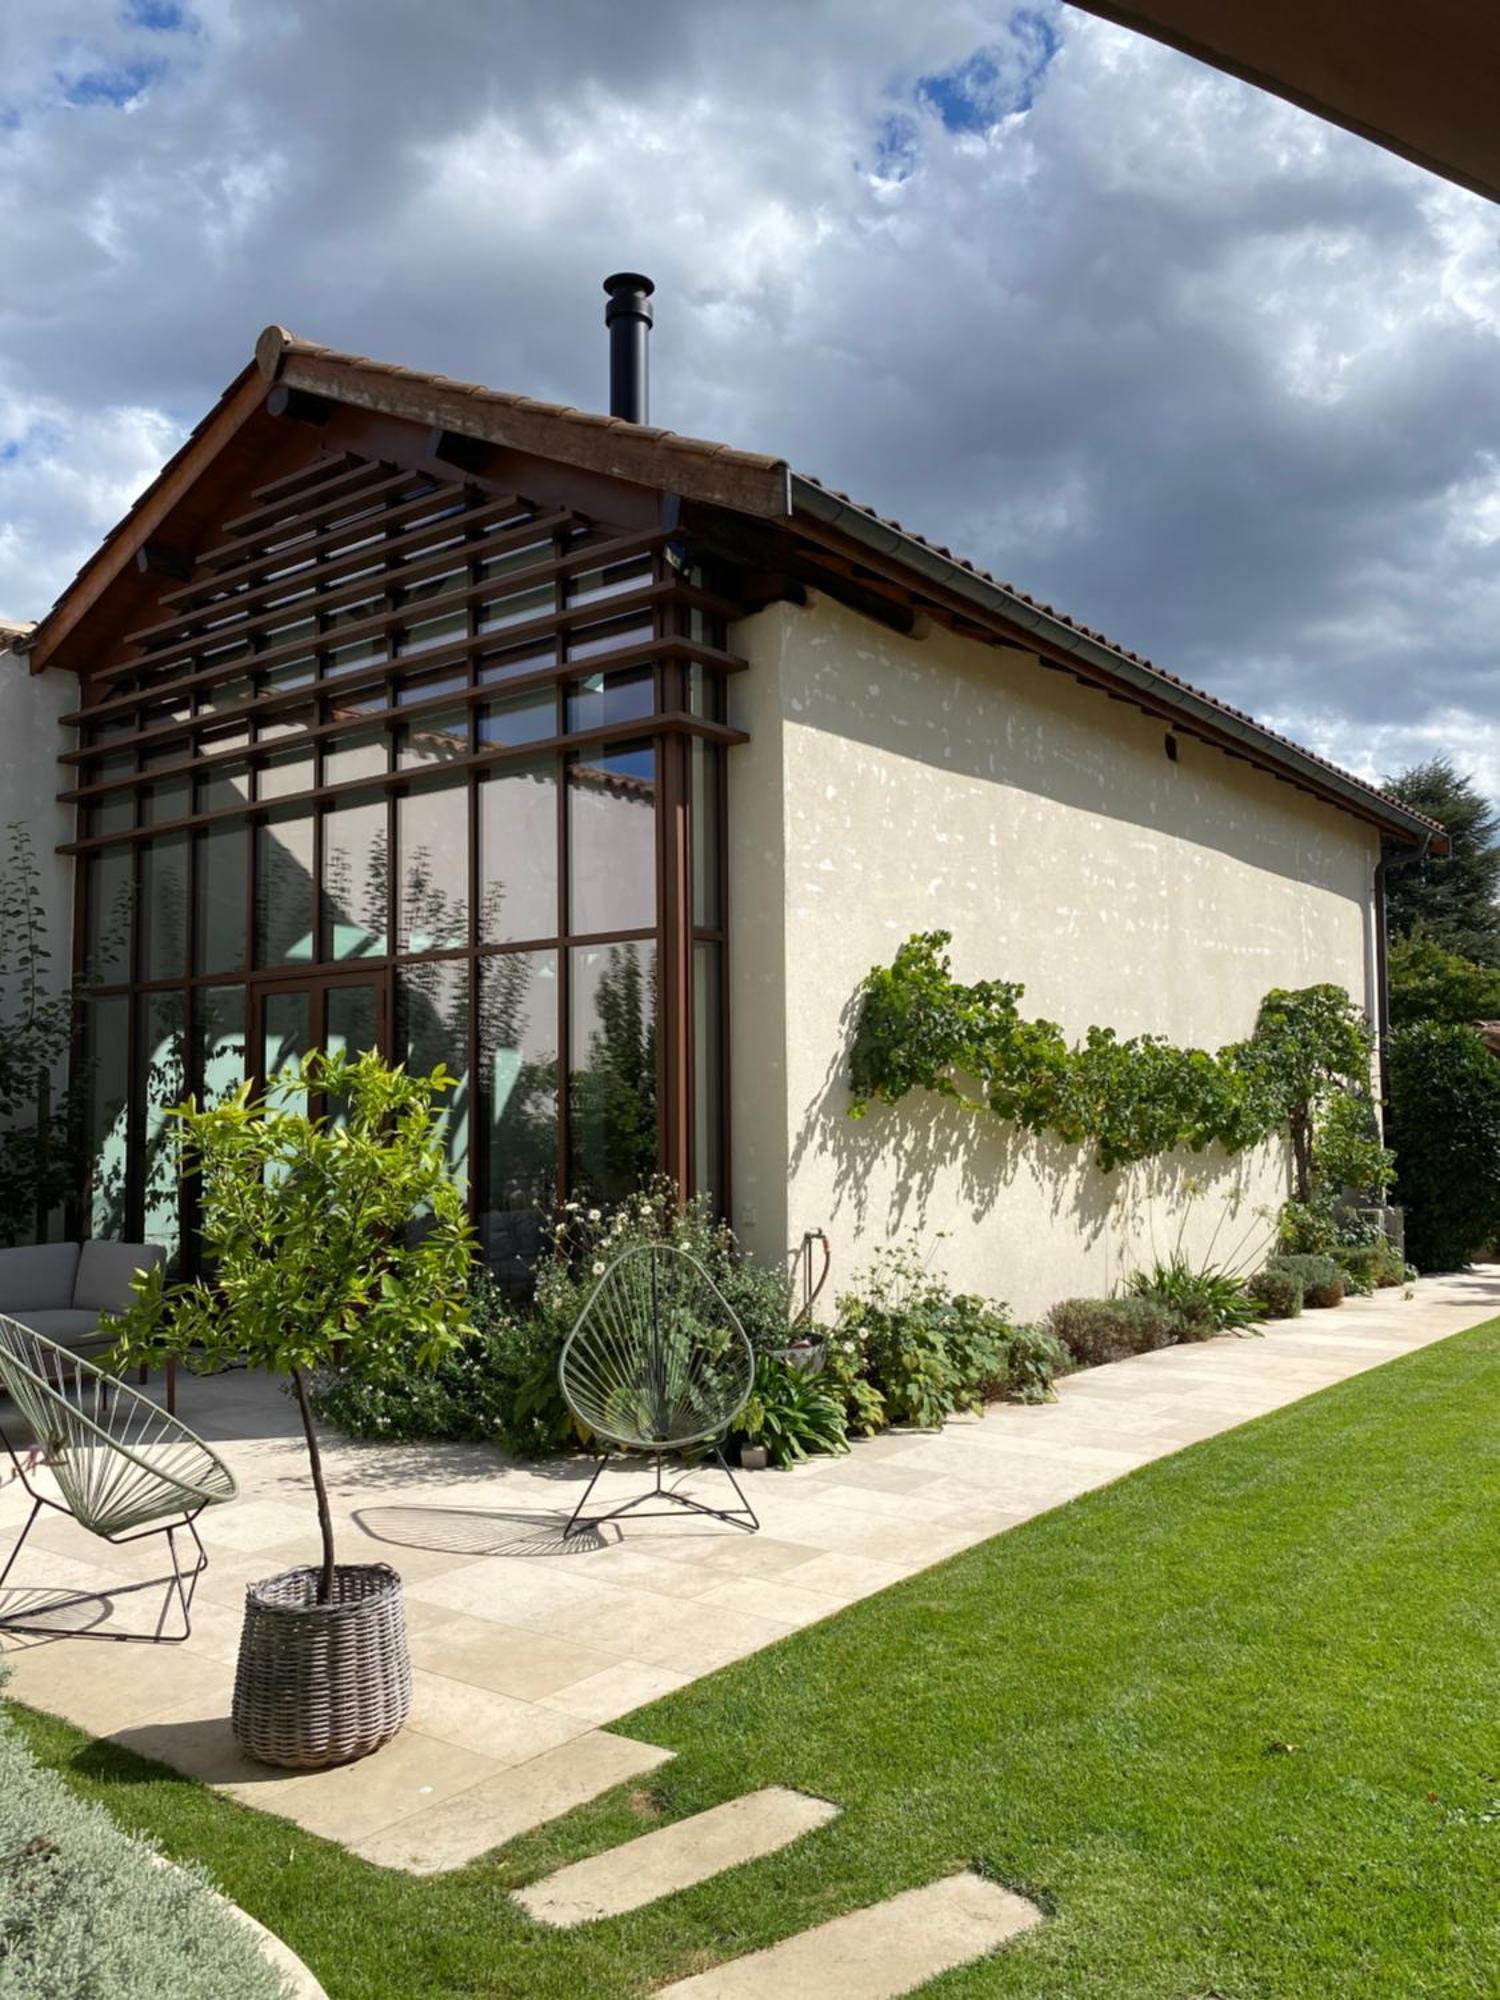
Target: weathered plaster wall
(31, 740)
(894, 785)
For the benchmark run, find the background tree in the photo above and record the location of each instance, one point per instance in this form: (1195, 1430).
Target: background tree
(1451, 898)
(1445, 1109)
(1430, 983)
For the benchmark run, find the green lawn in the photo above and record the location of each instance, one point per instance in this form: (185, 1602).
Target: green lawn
(1234, 1722)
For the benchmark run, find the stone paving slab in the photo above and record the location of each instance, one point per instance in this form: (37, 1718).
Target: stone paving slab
(524, 1646)
(875, 1953)
(675, 1857)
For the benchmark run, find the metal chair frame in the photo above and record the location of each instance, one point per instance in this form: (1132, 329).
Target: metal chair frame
(124, 1475)
(649, 1375)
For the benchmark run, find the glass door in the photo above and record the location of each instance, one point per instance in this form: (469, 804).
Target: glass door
(341, 1012)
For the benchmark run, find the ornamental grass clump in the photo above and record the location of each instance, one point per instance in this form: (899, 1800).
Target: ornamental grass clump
(1204, 1299)
(87, 1909)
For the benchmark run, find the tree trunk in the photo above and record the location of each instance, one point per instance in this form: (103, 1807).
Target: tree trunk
(315, 1459)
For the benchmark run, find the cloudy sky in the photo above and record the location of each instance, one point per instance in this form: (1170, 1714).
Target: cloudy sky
(1203, 372)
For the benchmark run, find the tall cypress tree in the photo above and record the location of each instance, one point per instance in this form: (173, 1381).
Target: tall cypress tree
(1451, 898)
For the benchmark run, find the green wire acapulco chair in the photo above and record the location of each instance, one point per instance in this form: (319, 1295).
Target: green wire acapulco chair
(125, 1469)
(658, 1363)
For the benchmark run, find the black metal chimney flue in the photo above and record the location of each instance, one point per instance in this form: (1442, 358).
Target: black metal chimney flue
(628, 317)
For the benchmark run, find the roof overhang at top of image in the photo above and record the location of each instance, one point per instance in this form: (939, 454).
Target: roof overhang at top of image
(720, 476)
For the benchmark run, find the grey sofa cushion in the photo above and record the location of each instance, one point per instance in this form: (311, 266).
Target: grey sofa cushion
(38, 1274)
(105, 1271)
(65, 1324)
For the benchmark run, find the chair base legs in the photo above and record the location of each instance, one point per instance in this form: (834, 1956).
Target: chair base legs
(742, 1516)
(180, 1587)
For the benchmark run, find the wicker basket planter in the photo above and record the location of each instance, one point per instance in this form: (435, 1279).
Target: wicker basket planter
(320, 1684)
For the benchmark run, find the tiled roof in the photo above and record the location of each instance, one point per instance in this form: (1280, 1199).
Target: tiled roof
(441, 399)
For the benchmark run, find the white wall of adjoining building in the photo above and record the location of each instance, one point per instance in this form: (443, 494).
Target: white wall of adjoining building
(894, 785)
(32, 738)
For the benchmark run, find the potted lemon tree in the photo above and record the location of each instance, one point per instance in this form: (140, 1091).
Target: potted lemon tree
(329, 1225)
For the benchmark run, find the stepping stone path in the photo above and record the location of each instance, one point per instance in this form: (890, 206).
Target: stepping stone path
(875, 1953)
(675, 1857)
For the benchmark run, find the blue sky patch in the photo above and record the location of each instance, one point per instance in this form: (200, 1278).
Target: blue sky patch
(163, 17)
(116, 83)
(996, 80)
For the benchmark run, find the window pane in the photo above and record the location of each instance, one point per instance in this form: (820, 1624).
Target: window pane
(518, 852)
(284, 890)
(281, 776)
(432, 840)
(106, 1068)
(436, 739)
(708, 1075)
(363, 753)
(608, 581)
(355, 878)
(434, 1015)
(353, 1024)
(114, 812)
(427, 687)
(612, 1069)
(226, 784)
(517, 660)
(612, 841)
(164, 907)
(705, 693)
(588, 640)
(516, 608)
(222, 858)
(110, 901)
(286, 1031)
(601, 700)
(441, 630)
(518, 1081)
(525, 718)
(167, 800)
(221, 1041)
(163, 1022)
(703, 779)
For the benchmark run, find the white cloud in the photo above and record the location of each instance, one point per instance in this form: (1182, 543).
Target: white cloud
(1172, 354)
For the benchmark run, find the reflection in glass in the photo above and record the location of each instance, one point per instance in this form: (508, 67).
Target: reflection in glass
(708, 1064)
(109, 898)
(525, 718)
(518, 852)
(634, 573)
(610, 637)
(220, 1035)
(286, 1036)
(517, 608)
(163, 907)
(603, 699)
(363, 753)
(612, 1069)
(163, 1024)
(518, 1085)
(284, 890)
(355, 878)
(433, 1003)
(436, 739)
(703, 782)
(612, 840)
(222, 857)
(106, 1040)
(282, 776)
(432, 840)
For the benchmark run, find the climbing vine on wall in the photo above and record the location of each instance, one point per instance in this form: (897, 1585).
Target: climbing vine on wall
(919, 1028)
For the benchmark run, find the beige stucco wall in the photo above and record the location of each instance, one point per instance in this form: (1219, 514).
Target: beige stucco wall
(895, 785)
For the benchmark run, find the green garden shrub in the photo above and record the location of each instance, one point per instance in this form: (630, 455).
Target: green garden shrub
(1445, 1114)
(1094, 1331)
(1320, 1277)
(88, 1913)
(928, 1351)
(1279, 1291)
(795, 1415)
(1206, 1299)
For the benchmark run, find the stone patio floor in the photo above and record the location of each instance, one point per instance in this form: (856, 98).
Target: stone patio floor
(524, 1649)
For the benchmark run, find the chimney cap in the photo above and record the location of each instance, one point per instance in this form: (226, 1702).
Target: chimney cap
(629, 292)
